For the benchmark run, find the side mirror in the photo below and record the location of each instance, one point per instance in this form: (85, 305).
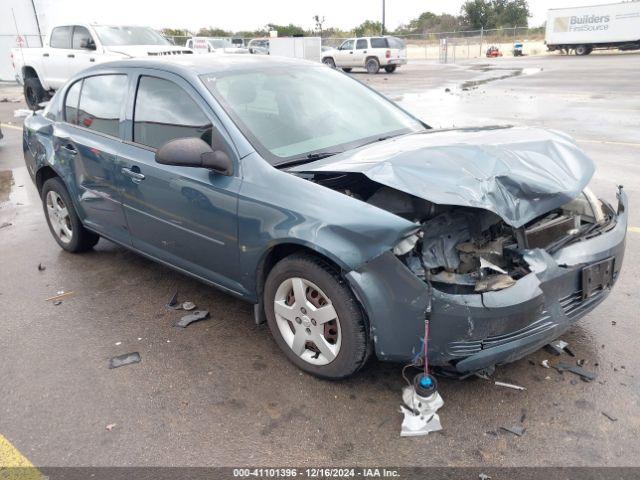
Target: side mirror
(87, 44)
(194, 152)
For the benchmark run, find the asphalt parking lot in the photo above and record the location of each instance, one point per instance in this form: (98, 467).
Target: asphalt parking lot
(220, 393)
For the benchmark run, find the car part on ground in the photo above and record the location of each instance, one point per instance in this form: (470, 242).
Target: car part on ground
(124, 359)
(421, 402)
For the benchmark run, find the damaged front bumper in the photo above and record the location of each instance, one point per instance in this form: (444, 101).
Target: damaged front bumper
(471, 332)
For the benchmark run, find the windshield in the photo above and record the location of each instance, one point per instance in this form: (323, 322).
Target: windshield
(113, 36)
(290, 113)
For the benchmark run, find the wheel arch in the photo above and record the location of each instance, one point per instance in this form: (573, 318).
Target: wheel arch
(43, 174)
(29, 72)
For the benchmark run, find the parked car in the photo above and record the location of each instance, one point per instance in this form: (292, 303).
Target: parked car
(71, 48)
(493, 52)
(518, 50)
(371, 53)
(344, 233)
(258, 46)
(214, 45)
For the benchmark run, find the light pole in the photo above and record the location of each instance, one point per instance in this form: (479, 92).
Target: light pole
(383, 16)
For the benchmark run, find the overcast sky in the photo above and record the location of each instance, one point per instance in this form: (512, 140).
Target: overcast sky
(253, 14)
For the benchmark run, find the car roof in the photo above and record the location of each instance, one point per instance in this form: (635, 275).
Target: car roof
(192, 64)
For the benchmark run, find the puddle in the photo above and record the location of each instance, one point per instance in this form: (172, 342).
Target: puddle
(13, 187)
(512, 72)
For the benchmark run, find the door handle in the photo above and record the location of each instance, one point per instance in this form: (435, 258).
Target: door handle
(136, 177)
(364, 51)
(71, 55)
(92, 59)
(70, 149)
(45, 54)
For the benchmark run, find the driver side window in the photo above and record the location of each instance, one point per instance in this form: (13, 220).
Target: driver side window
(348, 45)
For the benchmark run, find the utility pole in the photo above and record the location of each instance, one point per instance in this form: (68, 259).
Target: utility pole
(383, 16)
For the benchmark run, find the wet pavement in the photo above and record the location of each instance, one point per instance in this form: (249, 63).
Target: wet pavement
(220, 393)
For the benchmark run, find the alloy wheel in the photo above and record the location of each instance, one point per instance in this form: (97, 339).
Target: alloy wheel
(59, 217)
(307, 321)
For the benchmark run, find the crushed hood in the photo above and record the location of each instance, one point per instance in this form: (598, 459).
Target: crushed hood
(517, 173)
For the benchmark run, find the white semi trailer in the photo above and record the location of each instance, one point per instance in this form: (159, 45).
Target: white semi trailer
(583, 29)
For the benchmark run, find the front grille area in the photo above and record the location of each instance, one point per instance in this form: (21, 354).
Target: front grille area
(573, 305)
(464, 349)
(170, 52)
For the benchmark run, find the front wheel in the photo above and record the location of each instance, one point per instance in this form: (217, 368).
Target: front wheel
(64, 224)
(372, 66)
(314, 318)
(390, 68)
(329, 62)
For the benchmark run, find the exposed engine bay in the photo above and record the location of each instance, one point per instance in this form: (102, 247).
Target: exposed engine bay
(463, 250)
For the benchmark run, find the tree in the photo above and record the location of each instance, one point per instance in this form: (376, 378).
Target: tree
(286, 30)
(495, 13)
(212, 32)
(429, 22)
(368, 28)
(319, 21)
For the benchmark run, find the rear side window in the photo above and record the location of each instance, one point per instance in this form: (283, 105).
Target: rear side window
(395, 42)
(81, 38)
(71, 103)
(101, 100)
(60, 37)
(164, 111)
(361, 44)
(379, 43)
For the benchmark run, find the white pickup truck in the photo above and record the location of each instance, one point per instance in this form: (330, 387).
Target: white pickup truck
(71, 48)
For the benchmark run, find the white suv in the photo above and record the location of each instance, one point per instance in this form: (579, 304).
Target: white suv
(370, 53)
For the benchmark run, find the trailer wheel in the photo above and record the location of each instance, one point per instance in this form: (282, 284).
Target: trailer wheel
(583, 50)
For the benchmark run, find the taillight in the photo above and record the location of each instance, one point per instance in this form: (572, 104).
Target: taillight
(388, 54)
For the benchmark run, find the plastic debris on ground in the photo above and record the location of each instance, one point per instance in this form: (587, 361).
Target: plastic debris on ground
(188, 306)
(557, 347)
(126, 359)
(58, 296)
(110, 426)
(610, 417)
(421, 402)
(194, 316)
(509, 385)
(581, 372)
(173, 303)
(516, 430)
(545, 363)
(484, 476)
(41, 268)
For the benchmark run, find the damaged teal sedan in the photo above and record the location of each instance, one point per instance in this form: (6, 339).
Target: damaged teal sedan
(344, 220)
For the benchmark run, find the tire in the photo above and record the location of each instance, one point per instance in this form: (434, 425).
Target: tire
(372, 66)
(63, 221)
(390, 68)
(583, 50)
(329, 62)
(347, 69)
(293, 327)
(34, 93)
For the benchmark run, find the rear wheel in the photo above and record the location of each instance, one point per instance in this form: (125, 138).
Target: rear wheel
(372, 66)
(583, 50)
(34, 93)
(329, 62)
(314, 318)
(390, 68)
(63, 220)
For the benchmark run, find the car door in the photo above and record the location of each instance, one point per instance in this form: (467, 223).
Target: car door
(88, 139)
(345, 54)
(360, 52)
(184, 216)
(83, 46)
(58, 56)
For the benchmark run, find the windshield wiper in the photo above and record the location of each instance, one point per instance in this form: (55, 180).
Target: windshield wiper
(307, 158)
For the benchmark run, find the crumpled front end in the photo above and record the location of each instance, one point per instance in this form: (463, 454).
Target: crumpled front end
(493, 301)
